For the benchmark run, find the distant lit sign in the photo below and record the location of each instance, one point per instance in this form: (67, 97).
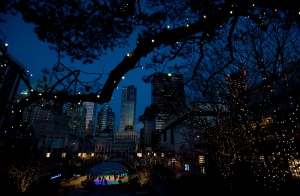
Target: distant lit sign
(56, 176)
(169, 74)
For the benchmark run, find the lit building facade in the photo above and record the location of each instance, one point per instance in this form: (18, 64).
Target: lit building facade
(237, 87)
(146, 134)
(168, 96)
(123, 149)
(91, 112)
(106, 120)
(128, 108)
(77, 114)
(132, 135)
(40, 119)
(103, 142)
(60, 145)
(40, 116)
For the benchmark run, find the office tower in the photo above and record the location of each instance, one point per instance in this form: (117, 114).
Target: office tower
(128, 108)
(10, 76)
(40, 118)
(42, 115)
(91, 112)
(237, 87)
(77, 114)
(106, 120)
(168, 96)
(44, 121)
(146, 135)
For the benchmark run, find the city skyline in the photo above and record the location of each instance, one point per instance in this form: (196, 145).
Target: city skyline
(35, 55)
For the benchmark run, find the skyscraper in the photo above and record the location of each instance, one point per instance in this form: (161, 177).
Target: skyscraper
(128, 108)
(91, 112)
(77, 114)
(44, 116)
(237, 88)
(168, 96)
(106, 119)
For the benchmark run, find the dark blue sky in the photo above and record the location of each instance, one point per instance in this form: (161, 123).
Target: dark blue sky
(24, 45)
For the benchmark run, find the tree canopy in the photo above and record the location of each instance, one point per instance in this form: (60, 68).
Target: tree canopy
(167, 31)
(207, 41)
(201, 39)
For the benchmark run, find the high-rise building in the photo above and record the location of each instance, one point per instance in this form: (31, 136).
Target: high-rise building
(11, 72)
(146, 135)
(168, 97)
(91, 112)
(43, 117)
(77, 114)
(128, 108)
(237, 88)
(106, 120)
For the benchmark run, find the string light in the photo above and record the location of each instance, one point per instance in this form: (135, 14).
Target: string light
(236, 103)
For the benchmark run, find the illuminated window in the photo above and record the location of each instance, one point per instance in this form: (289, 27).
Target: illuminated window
(201, 159)
(186, 167)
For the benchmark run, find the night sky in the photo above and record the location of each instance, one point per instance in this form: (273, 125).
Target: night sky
(35, 55)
